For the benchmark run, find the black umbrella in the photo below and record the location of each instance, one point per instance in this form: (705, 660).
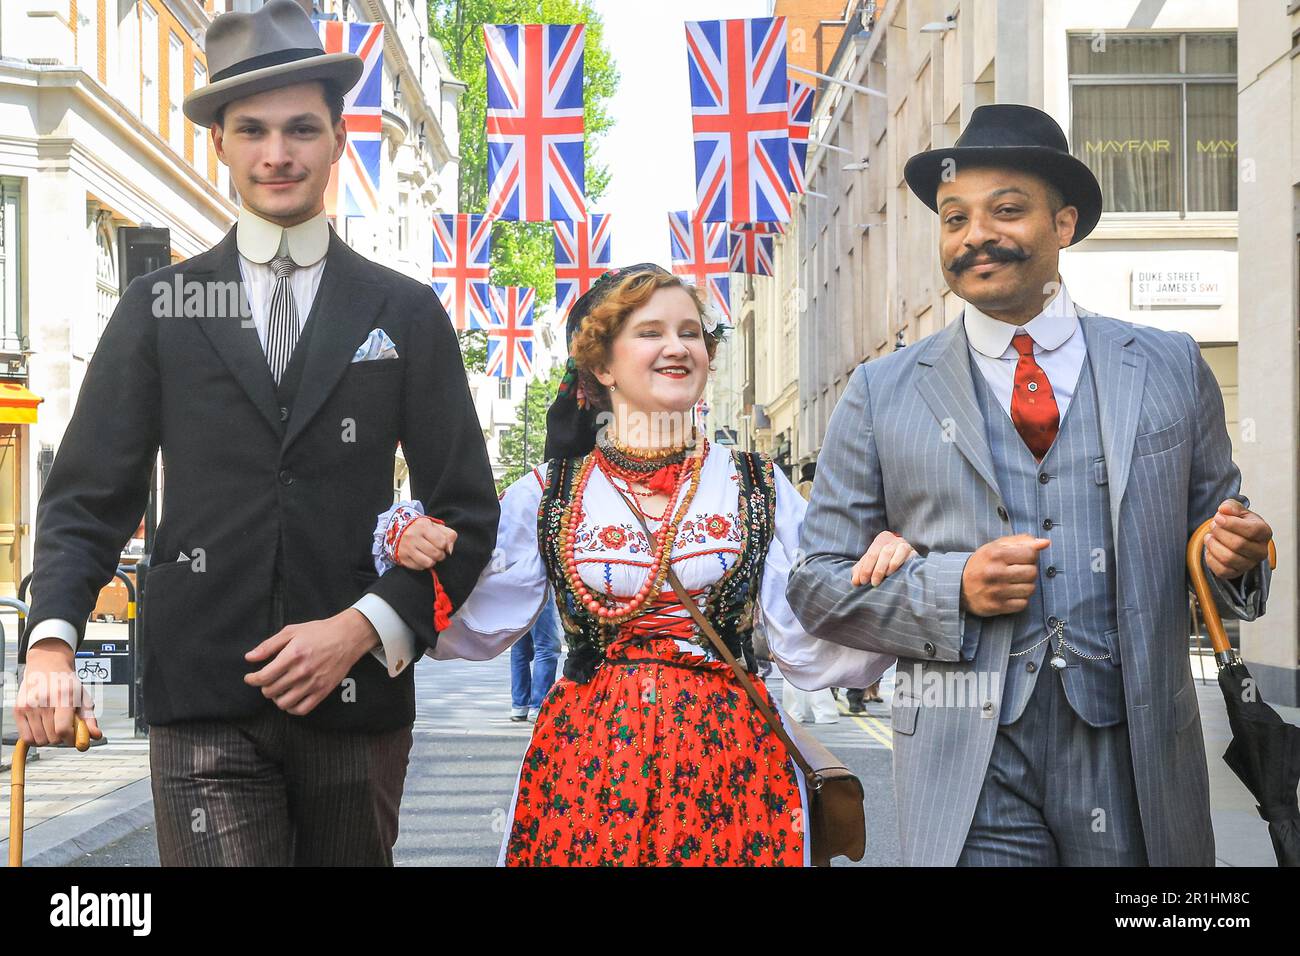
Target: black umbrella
(1265, 749)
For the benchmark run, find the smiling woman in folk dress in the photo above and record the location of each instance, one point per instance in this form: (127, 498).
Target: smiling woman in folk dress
(647, 751)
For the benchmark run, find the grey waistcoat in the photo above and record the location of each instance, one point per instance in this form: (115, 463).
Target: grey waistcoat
(1065, 498)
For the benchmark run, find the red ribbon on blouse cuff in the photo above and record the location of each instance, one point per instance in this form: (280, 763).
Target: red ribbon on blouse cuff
(441, 603)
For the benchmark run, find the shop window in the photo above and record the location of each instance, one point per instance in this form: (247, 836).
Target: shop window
(1155, 118)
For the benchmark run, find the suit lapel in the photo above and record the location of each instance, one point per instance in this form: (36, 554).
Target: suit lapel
(344, 312)
(947, 387)
(1120, 373)
(234, 336)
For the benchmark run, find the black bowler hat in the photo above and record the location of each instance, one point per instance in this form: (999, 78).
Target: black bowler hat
(1019, 137)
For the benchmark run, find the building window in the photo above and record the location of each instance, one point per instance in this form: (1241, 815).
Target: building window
(88, 37)
(127, 52)
(149, 65)
(1155, 118)
(106, 282)
(503, 388)
(11, 237)
(175, 93)
(403, 224)
(200, 132)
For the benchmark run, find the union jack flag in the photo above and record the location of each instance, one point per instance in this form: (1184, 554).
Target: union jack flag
(534, 122)
(801, 110)
(353, 188)
(462, 250)
(751, 252)
(741, 119)
(582, 255)
(700, 252)
(762, 228)
(510, 331)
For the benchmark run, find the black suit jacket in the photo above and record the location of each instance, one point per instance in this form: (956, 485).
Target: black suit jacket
(282, 508)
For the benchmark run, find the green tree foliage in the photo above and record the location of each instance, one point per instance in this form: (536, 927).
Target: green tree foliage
(517, 458)
(522, 253)
(473, 349)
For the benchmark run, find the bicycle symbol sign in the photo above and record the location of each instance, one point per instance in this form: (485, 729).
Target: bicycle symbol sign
(94, 670)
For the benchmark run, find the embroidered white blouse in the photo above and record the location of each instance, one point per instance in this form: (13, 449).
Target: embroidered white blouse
(613, 556)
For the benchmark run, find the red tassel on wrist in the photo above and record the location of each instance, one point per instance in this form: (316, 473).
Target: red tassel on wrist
(441, 603)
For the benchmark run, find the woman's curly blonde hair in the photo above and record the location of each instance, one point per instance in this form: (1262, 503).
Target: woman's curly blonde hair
(591, 344)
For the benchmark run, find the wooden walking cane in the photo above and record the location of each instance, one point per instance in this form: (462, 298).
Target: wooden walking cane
(16, 786)
(1201, 585)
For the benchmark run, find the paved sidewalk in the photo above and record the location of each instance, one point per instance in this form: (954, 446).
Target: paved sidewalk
(76, 802)
(79, 803)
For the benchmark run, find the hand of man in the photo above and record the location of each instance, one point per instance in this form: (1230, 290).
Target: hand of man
(1237, 542)
(310, 659)
(51, 695)
(1000, 577)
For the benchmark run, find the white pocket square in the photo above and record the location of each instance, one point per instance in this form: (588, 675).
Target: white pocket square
(376, 346)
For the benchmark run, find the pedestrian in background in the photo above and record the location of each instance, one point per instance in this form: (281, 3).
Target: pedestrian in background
(532, 664)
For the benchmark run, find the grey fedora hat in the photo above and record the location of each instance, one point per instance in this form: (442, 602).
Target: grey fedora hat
(1020, 137)
(252, 52)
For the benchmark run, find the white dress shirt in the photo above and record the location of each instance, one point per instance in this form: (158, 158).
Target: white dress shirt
(259, 241)
(1059, 349)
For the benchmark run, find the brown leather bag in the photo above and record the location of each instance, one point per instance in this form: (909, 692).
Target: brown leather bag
(836, 822)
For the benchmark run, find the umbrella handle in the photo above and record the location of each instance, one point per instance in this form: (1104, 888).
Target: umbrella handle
(18, 783)
(1201, 585)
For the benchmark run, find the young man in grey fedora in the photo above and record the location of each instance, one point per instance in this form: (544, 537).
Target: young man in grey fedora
(1049, 465)
(276, 660)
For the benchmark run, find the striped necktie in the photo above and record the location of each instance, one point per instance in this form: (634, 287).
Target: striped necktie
(282, 325)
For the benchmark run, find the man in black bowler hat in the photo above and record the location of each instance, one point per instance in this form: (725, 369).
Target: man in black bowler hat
(1049, 465)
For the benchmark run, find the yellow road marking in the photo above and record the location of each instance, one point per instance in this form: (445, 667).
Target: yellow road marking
(884, 734)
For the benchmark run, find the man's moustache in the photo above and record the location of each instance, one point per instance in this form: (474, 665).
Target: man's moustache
(993, 254)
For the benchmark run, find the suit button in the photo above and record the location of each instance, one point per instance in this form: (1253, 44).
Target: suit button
(988, 707)
(284, 414)
(1051, 571)
(1031, 667)
(1051, 623)
(929, 649)
(1002, 513)
(1047, 524)
(286, 477)
(1044, 478)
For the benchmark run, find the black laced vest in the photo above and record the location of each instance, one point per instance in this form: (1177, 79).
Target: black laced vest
(728, 603)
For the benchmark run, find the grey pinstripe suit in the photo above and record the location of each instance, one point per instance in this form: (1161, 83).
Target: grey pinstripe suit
(906, 450)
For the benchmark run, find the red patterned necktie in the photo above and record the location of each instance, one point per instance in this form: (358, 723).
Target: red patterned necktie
(1033, 405)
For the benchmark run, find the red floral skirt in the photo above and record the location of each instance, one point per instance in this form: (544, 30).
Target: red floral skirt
(655, 763)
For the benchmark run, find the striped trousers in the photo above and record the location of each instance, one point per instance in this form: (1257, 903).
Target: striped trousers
(271, 790)
(1057, 792)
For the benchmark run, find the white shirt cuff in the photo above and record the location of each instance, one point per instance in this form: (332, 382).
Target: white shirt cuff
(53, 627)
(396, 638)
